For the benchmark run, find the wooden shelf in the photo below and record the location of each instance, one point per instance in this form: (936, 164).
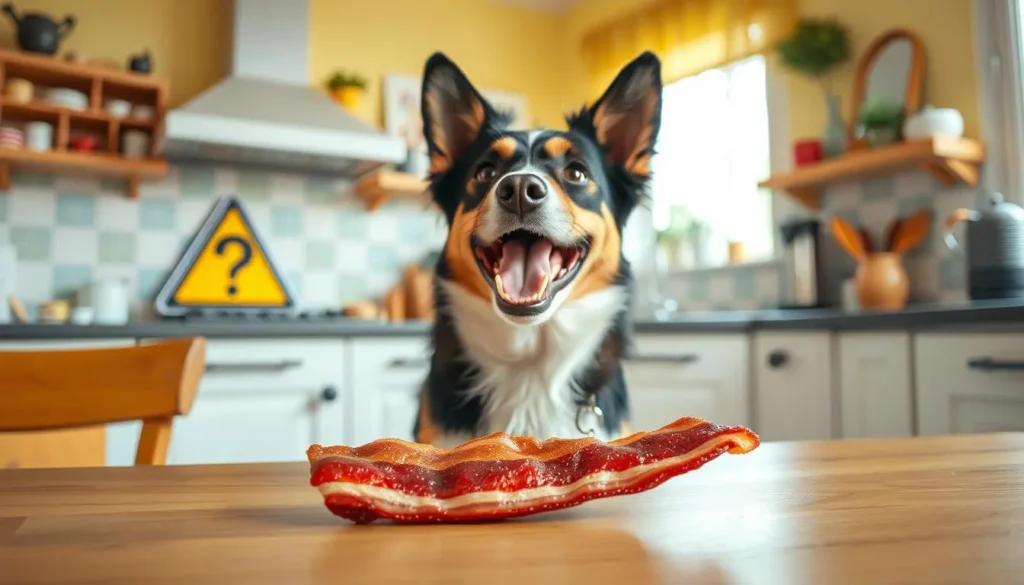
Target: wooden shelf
(949, 160)
(99, 85)
(377, 187)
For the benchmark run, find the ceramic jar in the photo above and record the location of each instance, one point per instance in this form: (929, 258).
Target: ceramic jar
(930, 121)
(881, 282)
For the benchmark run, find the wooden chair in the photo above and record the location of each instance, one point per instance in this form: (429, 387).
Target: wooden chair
(58, 391)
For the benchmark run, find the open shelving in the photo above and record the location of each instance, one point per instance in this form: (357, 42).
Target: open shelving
(949, 160)
(377, 187)
(99, 85)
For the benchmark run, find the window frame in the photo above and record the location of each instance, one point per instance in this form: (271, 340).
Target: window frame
(998, 53)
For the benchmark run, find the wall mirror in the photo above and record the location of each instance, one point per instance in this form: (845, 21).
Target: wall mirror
(891, 69)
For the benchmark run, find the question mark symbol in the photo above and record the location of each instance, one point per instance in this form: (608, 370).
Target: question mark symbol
(222, 245)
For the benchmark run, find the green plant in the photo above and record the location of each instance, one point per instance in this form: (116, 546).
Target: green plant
(815, 48)
(880, 113)
(343, 79)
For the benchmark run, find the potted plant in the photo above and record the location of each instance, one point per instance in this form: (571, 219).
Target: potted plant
(347, 88)
(815, 48)
(880, 121)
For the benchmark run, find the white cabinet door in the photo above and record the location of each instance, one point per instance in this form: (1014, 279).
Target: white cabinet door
(875, 387)
(264, 400)
(701, 375)
(387, 374)
(793, 385)
(969, 382)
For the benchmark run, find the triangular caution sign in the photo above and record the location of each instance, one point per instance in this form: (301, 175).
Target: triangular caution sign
(226, 268)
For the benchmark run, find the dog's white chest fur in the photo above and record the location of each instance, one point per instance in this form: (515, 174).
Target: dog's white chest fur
(526, 373)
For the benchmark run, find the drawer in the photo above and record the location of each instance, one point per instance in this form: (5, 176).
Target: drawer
(237, 365)
(969, 382)
(389, 361)
(689, 356)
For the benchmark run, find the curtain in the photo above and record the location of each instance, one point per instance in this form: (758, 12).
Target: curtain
(690, 36)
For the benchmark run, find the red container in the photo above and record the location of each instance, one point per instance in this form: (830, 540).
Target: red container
(807, 152)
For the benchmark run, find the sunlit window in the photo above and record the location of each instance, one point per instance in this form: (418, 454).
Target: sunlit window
(713, 149)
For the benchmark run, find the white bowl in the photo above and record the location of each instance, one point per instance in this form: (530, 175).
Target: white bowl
(929, 122)
(119, 108)
(67, 98)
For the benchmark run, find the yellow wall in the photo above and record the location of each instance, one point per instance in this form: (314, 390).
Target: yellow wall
(499, 47)
(944, 26)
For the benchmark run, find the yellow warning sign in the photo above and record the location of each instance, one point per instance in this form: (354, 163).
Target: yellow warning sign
(226, 267)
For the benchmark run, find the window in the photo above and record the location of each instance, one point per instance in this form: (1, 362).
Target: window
(712, 150)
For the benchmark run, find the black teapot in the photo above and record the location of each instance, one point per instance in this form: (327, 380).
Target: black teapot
(37, 32)
(140, 63)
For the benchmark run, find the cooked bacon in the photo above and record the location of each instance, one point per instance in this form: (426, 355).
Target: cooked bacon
(500, 476)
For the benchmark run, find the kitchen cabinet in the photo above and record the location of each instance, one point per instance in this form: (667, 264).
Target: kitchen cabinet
(875, 385)
(386, 377)
(793, 385)
(260, 400)
(705, 375)
(969, 382)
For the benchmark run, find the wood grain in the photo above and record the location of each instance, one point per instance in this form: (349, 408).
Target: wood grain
(930, 510)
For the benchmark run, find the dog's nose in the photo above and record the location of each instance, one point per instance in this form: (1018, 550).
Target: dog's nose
(522, 193)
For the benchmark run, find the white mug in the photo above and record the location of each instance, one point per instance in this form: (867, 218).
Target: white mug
(134, 144)
(39, 135)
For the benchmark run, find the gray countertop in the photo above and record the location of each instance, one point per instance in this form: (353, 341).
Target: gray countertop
(982, 316)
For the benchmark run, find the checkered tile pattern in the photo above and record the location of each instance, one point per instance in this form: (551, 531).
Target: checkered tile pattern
(936, 274)
(71, 231)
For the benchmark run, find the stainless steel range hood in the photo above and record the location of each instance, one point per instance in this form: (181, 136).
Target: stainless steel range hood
(265, 114)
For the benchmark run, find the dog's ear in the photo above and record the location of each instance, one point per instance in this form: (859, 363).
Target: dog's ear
(626, 119)
(453, 111)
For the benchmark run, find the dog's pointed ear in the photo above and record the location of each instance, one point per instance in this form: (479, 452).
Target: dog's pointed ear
(453, 112)
(626, 119)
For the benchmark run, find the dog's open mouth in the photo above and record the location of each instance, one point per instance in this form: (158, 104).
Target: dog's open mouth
(526, 270)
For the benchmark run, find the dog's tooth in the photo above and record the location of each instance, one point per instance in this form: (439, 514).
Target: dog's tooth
(500, 287)
(543, 286)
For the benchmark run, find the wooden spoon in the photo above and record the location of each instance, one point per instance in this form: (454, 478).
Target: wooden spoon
(912, 231)
(890, 234)
(865, 238)
(848, 238)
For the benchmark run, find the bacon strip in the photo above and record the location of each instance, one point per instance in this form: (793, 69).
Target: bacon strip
(500, 476)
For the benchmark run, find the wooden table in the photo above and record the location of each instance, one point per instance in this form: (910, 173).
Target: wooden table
(927, 510)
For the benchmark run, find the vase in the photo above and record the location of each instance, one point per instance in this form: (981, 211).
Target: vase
(881, 282)
(833, 141)
(348, 96)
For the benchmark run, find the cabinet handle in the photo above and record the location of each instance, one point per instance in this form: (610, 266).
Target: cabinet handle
(777, 359)
(252, 366)
(328, 394)
(404, 363)
(988, 364)
(688, 358)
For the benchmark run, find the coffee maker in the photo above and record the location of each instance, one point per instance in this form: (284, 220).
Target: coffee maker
(802, 274)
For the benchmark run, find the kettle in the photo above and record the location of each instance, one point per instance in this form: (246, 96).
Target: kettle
(995, 248)
(37, 32)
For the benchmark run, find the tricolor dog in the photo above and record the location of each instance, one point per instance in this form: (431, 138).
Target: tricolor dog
(532, 289)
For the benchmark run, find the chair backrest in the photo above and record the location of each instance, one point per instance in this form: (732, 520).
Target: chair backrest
(65, 389)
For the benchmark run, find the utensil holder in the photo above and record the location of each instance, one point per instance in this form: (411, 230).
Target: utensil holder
(881, 282)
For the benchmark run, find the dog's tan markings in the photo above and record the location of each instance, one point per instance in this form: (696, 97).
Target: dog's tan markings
(438, 164)
(641, 166)
(591, 188)
(505, 147)
(427, 433)
(557, 146)
(471, 187)
(458, 252)
(601, 265)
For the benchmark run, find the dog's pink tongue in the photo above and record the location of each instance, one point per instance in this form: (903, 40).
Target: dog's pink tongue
(523, 271)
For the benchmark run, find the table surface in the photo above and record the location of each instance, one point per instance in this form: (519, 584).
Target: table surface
(924, 510)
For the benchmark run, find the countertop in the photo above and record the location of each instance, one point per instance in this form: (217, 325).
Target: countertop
(979, 315)
(936, 510)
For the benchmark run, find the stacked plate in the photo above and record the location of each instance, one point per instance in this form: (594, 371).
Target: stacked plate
(11, 137)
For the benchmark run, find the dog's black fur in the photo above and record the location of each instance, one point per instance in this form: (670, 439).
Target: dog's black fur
(612, 141)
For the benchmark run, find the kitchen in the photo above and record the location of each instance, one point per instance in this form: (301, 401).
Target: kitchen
(353, 249)
(850, 293)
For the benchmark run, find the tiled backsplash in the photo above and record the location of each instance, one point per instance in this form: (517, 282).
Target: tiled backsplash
(70, 231)
(935, 273)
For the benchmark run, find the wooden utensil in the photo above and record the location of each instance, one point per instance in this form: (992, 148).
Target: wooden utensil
(848, 237)
(912, 231)
(865, 238)
(890, 233)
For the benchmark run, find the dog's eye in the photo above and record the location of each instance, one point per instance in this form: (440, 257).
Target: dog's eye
(575, 173)
(485, 173)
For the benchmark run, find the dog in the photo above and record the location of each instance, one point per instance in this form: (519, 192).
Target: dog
(532, 291)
